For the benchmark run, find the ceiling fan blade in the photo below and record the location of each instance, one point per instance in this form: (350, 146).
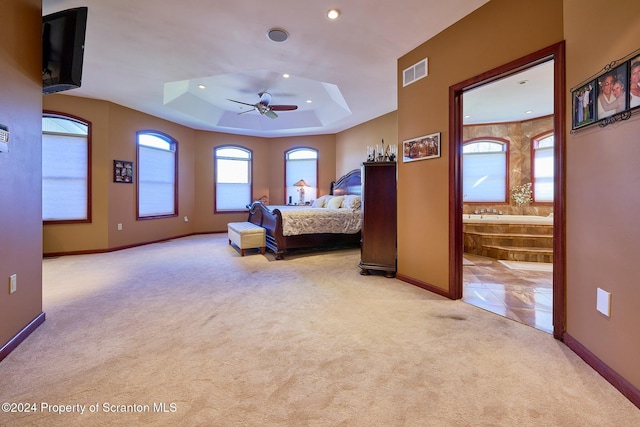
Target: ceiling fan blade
(240, 102)
(265, 99)
(284, 107)
(246, 111)
(270, 114)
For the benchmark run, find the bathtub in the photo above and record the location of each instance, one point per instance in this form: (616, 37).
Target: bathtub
(506, 219)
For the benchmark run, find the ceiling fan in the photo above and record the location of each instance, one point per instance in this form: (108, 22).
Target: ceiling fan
(264, 106)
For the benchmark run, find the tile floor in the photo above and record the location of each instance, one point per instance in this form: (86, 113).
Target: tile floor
(521, 295)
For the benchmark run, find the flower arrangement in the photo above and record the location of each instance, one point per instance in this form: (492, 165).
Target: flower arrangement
(521, 194)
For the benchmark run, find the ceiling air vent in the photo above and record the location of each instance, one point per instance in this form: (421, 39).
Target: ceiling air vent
(415, 72)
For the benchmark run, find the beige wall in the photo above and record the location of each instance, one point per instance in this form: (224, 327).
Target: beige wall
(351, 144)
(114, 138)
(20, 168)
(603, 178)
(268, 171)
(326, 146)
(491, 36)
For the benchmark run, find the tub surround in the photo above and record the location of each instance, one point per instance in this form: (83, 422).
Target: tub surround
(509, 237)
(507, 219)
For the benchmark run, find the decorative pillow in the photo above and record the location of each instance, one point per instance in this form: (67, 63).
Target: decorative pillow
(321, 202)
(352, 201)
(335, 202)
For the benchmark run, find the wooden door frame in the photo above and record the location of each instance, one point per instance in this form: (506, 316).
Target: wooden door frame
(456, 248)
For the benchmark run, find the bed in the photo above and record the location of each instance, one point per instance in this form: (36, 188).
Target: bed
(334, 220)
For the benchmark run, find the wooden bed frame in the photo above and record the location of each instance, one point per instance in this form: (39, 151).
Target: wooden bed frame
(271, 220)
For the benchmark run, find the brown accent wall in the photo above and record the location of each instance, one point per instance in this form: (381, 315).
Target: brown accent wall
(491, 36)
(351, 144)
(20, 168)
(603, 179)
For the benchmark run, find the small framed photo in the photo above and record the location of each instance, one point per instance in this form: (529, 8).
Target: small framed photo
(611, 92)
(421, 148)
(634, 82)
(583, 105)
(122, 171)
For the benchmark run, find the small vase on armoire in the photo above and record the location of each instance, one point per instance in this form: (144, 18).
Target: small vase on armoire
(379, 235)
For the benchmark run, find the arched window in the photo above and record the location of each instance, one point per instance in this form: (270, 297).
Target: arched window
(301, 165)
(484, 167)
(232, 178)
(157, 175)
(542, 167)
(66, 166)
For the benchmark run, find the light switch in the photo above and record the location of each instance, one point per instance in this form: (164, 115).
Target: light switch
(603, 302)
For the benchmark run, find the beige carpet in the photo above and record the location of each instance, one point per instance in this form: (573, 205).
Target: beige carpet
(224, 340)
(528, 266)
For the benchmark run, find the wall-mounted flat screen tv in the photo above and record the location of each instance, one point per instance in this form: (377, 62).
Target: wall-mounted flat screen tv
(63, 36)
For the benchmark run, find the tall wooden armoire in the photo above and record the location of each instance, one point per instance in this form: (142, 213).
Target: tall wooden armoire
(378, 242)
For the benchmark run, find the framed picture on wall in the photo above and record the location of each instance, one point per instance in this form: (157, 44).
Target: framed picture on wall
(583, 99)
(611, 94)
(421, 148)
(634, 82)
(122, 171)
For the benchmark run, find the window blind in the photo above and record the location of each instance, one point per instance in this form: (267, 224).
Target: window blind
(233, 181)
(544, 177)
(156, 182)
(64, 177)
(484, 177)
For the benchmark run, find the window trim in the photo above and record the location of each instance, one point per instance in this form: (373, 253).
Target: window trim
(174, 145)
(215, 177)
(534, 143)
(507, 182)
(286, 159)
(89, 218)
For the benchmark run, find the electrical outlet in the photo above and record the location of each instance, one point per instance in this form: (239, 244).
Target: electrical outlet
(186, 219)
(119, 227)
(13, 283)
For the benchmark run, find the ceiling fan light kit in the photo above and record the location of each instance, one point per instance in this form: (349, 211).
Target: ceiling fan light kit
(264, 106)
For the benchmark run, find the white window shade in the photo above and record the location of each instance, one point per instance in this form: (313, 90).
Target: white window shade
(232, 197)
(544, 176)
(484, 177)
(296, 170)
(233, 178)
(156, 182)
(64, 177)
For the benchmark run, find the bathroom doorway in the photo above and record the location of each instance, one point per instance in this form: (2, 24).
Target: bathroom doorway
(498, 122)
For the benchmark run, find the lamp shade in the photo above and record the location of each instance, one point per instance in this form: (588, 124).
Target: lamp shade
(301, 183)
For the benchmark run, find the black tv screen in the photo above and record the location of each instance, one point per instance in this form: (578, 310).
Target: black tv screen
(63, 36)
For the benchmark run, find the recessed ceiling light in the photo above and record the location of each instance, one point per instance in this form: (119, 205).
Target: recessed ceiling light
(277, 35)
(309, 101)
(286, 76)
(202, 87)
(528, 112)
(467, 116)
(333, 14)
(523, 82)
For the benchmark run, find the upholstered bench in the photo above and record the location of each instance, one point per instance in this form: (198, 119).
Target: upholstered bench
(247, 235)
